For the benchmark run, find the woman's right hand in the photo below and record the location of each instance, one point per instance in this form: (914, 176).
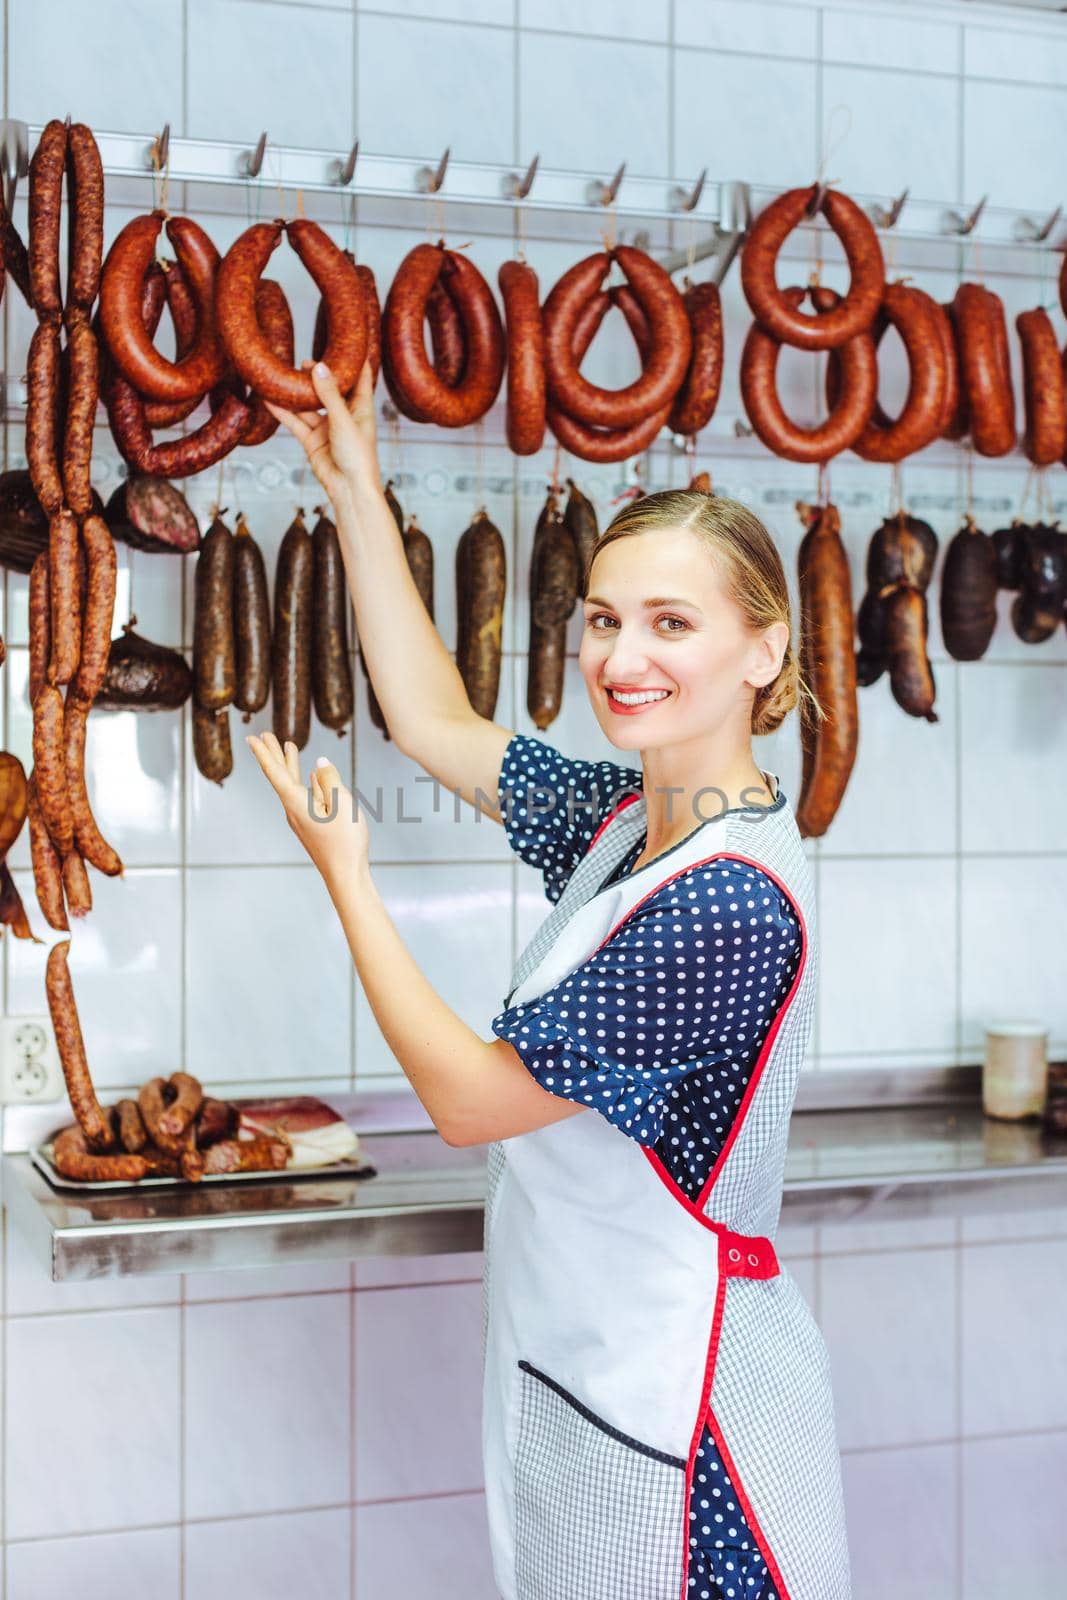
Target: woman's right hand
(341, 442)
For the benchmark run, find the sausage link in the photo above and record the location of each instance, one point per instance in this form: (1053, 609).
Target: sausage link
(128, 260)
(915, 316)
(76, 887)
(829, 665)
(859, 382)
(372, 316)
(212, 750)
(447, 338)
(172, 290)
(101, 579)
(953, 406)
(65, 587)
(481, 582)
(1044, 390)
(133, 1135)
(251, 624)
(774, 311)
(276, 324)
(152, 1103)
(214, 666)
(73, 1159)
(89, 841)
(261, 1154)
(94, 1122)
(40, 623)
(526, 357)
(46, 199)
(50, 767)
(670, 341)
(911, 678)
(42, 404)
(246, 344)
(179, 1116)
(85, 219)
(175, 458)
(695, 403)
(983, 343)
(46, 862)
(331, 670)
(82, 395)
(291, 643)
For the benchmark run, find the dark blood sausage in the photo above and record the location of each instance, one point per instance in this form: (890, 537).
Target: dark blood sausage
(216, 1119)
(1044, 390)
(983, 344)
(40, 623)
(291, 641)
(99, 610)
(46, 198)
(214, 665)
(164, 284)
(915, 316)
(419, 553)
(73, 1159)
(780, 316)
(46, 862)
(416, 388)
(1037, 610)
(128, 341)
(553, 586)
(670, 341)
(870, 627)
(65, 586)
(89, 841)
(180, 1114)
(911, 677)
(526, 357)
(968, 596)
(50, 777)
(248, 346)
(94, 1122)
(859, 383)
(42, 379)
(580, 518)
(447, 338)
(212, 750)
(175, 458)
(331, 671)
(76, 886)
(251, 624)
(481, 581)
(695, 402)
(85, 219)
(83, 391)
(133, 1136)
(829, 665)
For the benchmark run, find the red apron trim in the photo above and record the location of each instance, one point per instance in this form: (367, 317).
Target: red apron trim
(746, 1505)
(629, 801)
(741, 1255)
(704, 1408)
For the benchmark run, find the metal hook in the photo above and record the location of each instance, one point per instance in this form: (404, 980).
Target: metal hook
(681, 200)
(14, 157)
(743, 430)
(342, 172)
(516, 188)
(888, 218)
(250, 162)
(428, 180)
(814, 205)
(1027, 230)
(598, 193)
(158, 153)
(954, 222)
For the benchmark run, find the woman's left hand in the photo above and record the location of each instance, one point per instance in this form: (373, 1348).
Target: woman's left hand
(324, 815)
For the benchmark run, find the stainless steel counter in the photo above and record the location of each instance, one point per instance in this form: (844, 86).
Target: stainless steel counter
(867, 1145)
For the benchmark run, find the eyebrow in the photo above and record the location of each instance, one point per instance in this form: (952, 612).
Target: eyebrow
(668, 600)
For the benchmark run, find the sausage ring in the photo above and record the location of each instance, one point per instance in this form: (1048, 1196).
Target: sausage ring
(771, 306)
(1044, 390)
(165, 284)
(246, 343)
(526, 357)
(695, 402)
(128, 260)
(605, 444)
(276, 323)
(417, 389)
(859, 386)
(983, 345)
(914, 314)
(954, 421)
(670, 341)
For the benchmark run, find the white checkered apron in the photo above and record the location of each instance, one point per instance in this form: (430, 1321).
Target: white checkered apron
(619, 1318)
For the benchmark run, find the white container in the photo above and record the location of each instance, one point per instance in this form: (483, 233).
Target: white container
(1015, 1070)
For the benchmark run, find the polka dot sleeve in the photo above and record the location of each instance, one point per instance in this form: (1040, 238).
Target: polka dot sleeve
(659, 1030)
(551, 805)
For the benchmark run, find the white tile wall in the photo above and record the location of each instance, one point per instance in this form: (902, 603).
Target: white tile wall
(315, 1428)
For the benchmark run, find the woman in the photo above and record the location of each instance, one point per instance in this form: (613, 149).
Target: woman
(658, 1418)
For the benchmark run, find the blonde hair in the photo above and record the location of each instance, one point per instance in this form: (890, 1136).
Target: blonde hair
(749, 566)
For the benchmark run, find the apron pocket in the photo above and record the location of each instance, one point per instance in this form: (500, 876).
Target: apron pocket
(597, 1512)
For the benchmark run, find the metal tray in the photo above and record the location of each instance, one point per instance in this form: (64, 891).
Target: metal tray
(41, 1156)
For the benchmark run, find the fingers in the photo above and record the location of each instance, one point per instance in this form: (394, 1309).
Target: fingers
(361, 400)
(299, 425)
(326, 388)
(292, 761)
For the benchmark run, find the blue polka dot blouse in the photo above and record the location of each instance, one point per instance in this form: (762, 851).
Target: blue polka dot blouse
(658, 1031)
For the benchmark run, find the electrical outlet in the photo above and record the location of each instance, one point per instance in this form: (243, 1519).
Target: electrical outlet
(29, 1061)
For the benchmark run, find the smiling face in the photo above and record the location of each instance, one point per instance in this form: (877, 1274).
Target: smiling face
(692, 644)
